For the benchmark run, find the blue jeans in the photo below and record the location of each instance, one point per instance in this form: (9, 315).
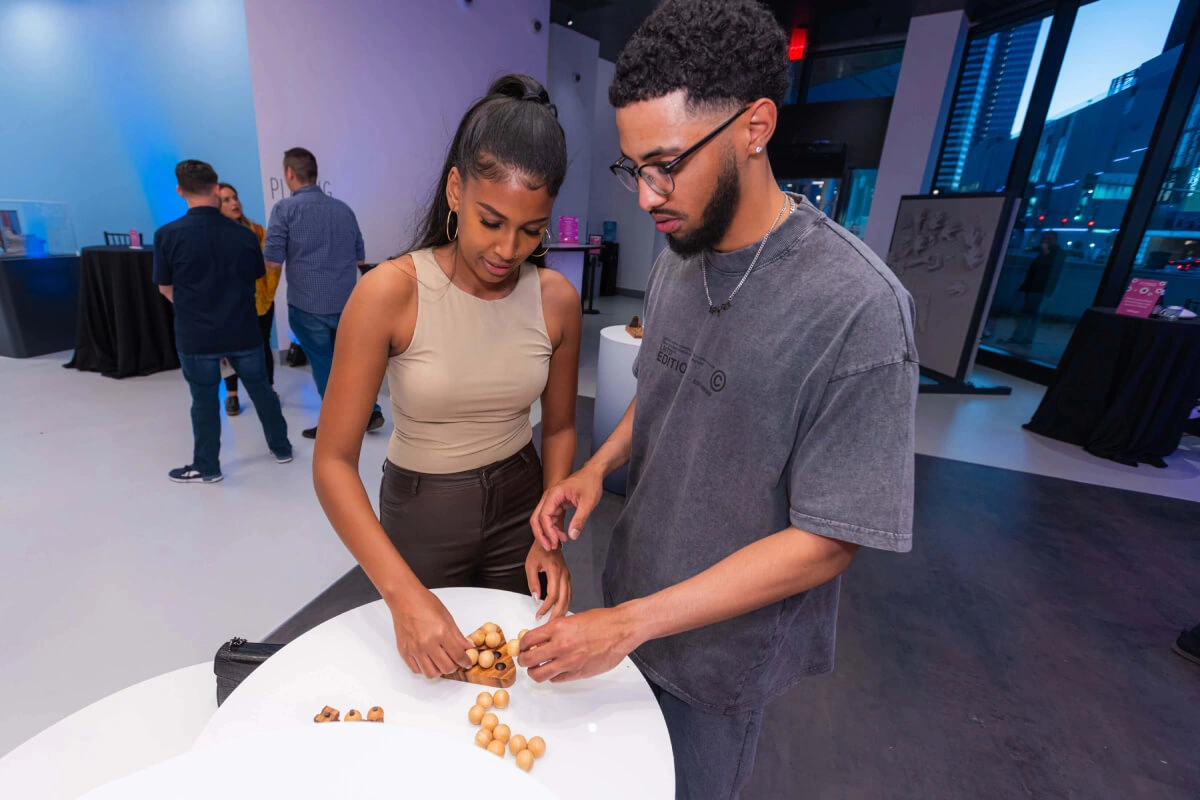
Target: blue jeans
(316, 334)
(203, 374)
(714, 753)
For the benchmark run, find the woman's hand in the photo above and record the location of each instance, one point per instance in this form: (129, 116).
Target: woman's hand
(427, 637)
(558, 580)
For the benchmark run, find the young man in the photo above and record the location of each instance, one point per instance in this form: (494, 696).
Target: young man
(207, 265)
(318, 238)
(772, 431)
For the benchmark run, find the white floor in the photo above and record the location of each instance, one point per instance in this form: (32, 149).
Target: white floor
(113, 575)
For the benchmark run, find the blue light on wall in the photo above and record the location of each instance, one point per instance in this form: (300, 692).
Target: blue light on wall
(110, 94)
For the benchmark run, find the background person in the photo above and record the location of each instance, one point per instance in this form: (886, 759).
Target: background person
(207, 265)
(264, 295)
(317, 236)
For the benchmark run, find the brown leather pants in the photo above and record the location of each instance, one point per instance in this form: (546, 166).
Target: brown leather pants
(467, 528)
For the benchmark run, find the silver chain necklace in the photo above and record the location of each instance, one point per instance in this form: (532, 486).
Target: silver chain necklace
(788, 203)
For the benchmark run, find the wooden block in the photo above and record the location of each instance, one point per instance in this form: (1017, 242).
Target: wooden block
(501, 675)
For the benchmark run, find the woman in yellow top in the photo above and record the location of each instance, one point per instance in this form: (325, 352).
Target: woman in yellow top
(264, 295)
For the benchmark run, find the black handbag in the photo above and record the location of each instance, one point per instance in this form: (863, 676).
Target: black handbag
(295, 356)
(234, 662)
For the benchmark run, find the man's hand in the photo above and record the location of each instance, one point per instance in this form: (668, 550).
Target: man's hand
(558, 580)
(582, 646)
(582, 491)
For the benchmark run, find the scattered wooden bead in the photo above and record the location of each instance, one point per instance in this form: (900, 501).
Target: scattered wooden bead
(354, 715)
(517, 744)
(489, 722)
(483, 738)
(328, 714)
(486, 659)
(525, 760)
(537, 746)
(375, 714)
(500, 698)
(502, 733)
(476, 714)
(496, 748)
(485, 700)
(493, 639)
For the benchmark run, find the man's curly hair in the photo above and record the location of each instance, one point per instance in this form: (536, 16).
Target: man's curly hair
(722, 52)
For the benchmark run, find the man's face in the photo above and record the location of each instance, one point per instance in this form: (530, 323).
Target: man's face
(697, 214)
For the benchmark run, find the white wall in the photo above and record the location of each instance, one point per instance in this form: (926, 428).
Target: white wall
(639, 240)
(932, 54)
(571, 54)
(376, 88)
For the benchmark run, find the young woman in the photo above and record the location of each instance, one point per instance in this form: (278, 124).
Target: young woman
(264, 295)
(469, 333)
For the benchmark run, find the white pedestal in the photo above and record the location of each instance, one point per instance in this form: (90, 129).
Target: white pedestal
(615, 388)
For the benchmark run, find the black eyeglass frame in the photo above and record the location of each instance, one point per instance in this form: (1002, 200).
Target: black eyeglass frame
(667, 167)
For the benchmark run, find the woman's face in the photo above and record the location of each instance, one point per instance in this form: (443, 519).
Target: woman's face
(230, 205)
(500, 223)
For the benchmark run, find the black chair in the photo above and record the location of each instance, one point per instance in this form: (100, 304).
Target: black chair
(116, 239)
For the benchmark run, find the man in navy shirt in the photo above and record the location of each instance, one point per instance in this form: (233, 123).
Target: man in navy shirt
(318, 237)
(206, 265)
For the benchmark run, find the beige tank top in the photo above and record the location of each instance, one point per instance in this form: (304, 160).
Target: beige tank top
(462, 390)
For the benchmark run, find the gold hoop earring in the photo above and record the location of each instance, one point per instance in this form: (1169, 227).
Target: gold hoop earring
(545, 248)
(449, 214)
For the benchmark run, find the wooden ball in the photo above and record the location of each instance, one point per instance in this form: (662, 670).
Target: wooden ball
(500, 698)
(375, 714)
(483, 738)
(525, 760)
(476, 714)
(514, 648)
(496, 748)
(493, 640)
(502, 733)
(521, 635)
(484, 700)
(486, 659)
(489, 722)
(354, 715)
(490, 627)
(473, 654)
(477, 638)
(517, 744)
(537, 746)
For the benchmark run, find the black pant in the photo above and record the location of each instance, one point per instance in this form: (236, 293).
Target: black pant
(465, 529)
(264, 327)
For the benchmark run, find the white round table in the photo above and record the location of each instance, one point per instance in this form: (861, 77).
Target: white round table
(605, 736)
(615, 388)
(361, 760)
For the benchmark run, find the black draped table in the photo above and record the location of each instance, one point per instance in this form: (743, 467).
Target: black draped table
(1124, 387)
(125, 327)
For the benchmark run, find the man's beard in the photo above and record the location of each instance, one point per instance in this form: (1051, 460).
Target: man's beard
(718, 213)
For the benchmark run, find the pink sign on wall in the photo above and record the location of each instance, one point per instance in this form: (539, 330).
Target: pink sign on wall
(1141, 297)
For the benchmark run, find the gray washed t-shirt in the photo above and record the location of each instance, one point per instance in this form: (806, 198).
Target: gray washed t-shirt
(793, 407)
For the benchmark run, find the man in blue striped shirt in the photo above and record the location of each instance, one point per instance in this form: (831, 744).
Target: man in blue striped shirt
(318, 238)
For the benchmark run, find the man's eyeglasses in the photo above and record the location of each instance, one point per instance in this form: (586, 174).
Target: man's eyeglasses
(658, 175)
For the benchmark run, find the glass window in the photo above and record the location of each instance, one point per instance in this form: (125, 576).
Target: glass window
(1170, 250)
(854, 76)
(856, 204)
(1111, 87)
(821, 192)
(989, 108)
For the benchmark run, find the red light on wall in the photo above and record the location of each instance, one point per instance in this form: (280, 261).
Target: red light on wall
(1042, 218)
(1064, 222)
(1091, 223)
(798, 45)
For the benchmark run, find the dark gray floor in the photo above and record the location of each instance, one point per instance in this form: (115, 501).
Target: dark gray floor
(1021, 650)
